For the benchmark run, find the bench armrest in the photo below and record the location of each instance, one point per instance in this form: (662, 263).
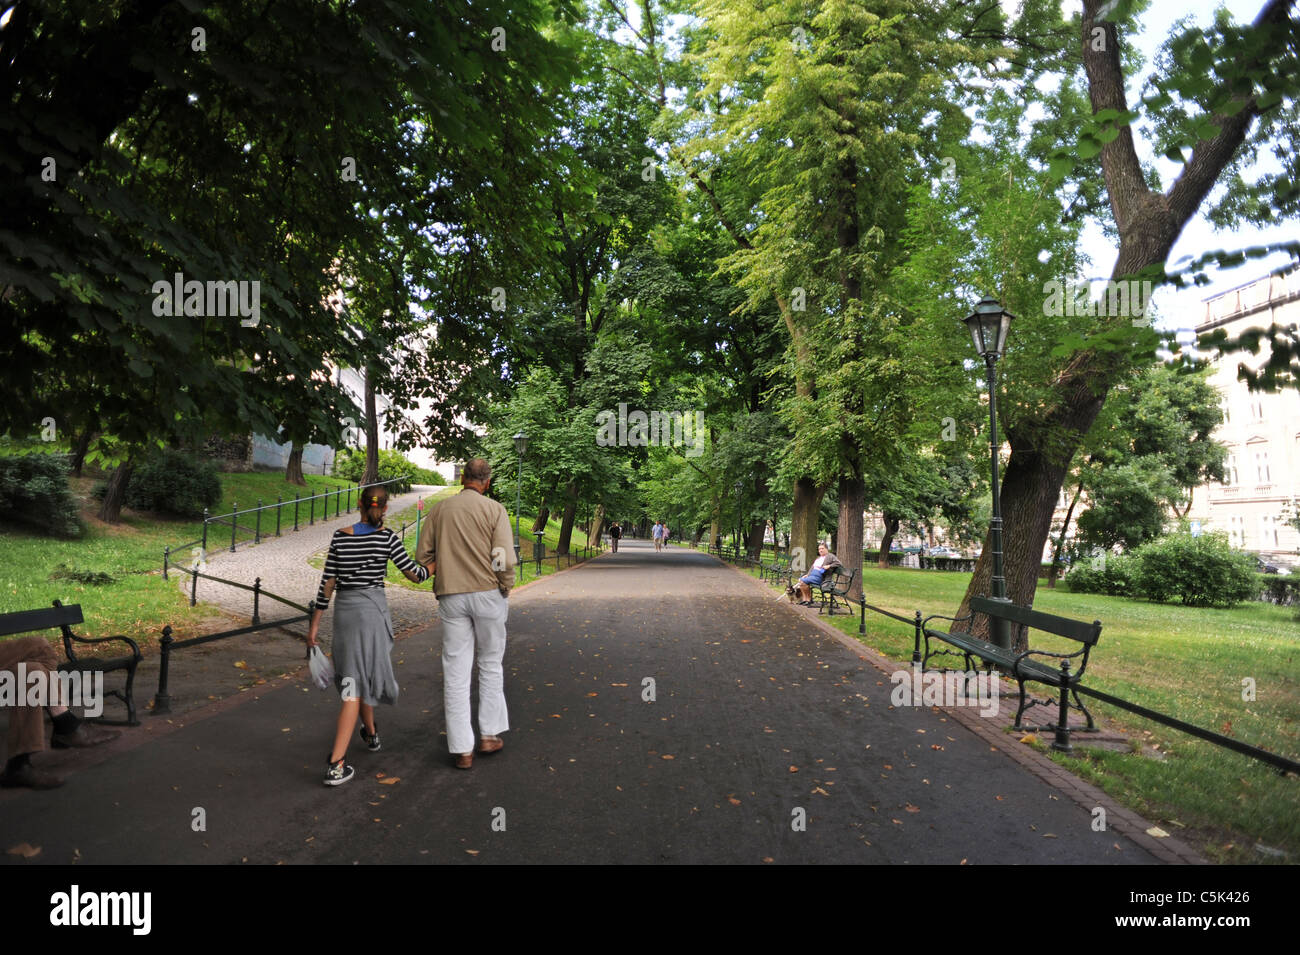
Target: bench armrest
(1015, 667)
(69, 636)
(938, 616)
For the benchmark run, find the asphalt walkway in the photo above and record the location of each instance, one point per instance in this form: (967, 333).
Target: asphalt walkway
(663, 709)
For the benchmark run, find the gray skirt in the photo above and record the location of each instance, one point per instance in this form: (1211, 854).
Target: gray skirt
(363, 646)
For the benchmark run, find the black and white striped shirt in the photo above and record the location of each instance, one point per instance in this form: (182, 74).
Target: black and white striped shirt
(361, 560)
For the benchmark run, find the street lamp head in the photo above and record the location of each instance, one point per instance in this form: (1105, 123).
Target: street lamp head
(521, 443)
(988, 326)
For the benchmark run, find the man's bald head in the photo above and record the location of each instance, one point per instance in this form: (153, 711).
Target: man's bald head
(477, 473)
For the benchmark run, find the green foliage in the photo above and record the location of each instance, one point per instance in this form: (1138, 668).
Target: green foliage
(1110, 574)
(1201, 571)
(93, 578)
(350, 464)
(176, 484)
(34, 490)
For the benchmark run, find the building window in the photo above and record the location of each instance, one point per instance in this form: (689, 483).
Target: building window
(1257, 409)
(1230, 471)
(1262, 474)
(1237, 531)
(1267, 531)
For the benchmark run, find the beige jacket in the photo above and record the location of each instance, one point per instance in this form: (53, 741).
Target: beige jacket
(468, 535)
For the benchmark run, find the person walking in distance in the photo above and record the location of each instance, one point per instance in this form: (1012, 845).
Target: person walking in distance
(468, 535)
(658, 535)
(615, 532)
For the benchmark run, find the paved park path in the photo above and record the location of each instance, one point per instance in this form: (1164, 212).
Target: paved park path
(768, 739)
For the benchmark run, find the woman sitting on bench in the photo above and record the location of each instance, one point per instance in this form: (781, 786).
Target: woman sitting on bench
(825, 562)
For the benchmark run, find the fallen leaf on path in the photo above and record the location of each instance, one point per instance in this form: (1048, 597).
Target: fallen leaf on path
(1049, 835)
(768, 859)
(472, 852)
(733, 800)
(910, 808)
(1028, 738)
(667, 756)
(389, 780)
(240, 664)
(1157, 832)
(794, 769)
(26, 850)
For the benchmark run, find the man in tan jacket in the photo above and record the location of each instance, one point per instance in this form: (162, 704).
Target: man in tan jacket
(468, 538)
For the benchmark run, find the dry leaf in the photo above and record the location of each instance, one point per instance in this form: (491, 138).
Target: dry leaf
(26, 850)
(472, 852)
(1157, 832)
(667, 756)
(240, 664)
(768, 859)
(910, 808)
(733, 800)
(1028, 738)
(794, 769)
(389, 780)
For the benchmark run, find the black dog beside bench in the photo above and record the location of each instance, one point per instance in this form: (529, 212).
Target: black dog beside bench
(1021, 665)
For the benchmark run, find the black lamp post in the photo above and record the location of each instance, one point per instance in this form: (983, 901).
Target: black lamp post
(521, 445)
(740, 521)
(988, 326)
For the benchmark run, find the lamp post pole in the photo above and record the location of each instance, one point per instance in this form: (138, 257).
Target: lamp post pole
(521, 445)
(988, 326)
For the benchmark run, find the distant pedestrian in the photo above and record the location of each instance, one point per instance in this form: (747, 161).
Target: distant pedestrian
(469, 534)
(363, 629)
(658, 535)
(615, 532)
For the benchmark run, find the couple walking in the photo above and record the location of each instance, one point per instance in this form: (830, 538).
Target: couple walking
(466, 546)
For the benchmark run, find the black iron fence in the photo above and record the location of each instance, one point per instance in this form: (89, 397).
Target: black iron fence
(251, 524)
(1278, 762)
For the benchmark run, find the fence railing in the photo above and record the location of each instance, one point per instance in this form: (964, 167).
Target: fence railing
(1278, 762)
(255, 531)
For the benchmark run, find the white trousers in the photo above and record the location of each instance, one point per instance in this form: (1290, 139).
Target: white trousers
(470, 621)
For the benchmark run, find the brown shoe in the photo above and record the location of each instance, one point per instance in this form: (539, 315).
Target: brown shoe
(465, 761)
(490, 744)
(29, 777)
(86, 734)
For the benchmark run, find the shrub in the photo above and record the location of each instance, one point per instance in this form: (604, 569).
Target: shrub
(1200, 571)
(350, 464)
(34, 490)
(1284, 591)
(1111, 574)
(174, 484)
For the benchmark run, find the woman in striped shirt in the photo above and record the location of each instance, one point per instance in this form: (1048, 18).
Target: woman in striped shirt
(363, 630)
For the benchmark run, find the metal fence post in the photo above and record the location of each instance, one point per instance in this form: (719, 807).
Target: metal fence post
(167, 555)
(916, 640)
(205, 530)
(257, 593)
(350, 499)
(312, 509)
(257, 533)
(234, 523)
(194, 586)
(161, 700)
(278, 504)
(295, 510)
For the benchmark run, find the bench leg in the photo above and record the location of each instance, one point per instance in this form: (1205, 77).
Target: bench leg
(1062, 742)
(1021, 711)
(1078, 704)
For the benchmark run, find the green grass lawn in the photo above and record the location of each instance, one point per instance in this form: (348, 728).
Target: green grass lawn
(1187, 662)
(137, 603)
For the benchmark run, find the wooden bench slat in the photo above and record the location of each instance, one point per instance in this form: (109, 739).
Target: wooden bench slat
(46, 618)
(1088, 633)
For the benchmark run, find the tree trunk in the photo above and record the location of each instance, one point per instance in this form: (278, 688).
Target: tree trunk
(79, 449)
(597, 526)
(887, 540)
(803, 522)
(371, 473)
(111, 510)
(849, 538)
(754, 545)
(1060, 541)
(543, 515)
(293, 467)
(1029, 492)
(566, 523)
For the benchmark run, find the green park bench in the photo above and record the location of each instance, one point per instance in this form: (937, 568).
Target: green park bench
(836, 585)
(34, 621)
(1020, 664)
(778, 568)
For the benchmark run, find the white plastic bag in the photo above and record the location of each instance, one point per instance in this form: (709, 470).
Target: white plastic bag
(322, 668)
